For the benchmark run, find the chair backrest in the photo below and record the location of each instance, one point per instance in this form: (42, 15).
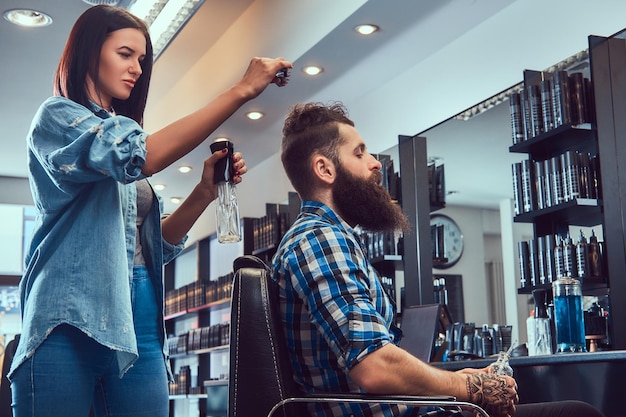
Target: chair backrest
(260, 372)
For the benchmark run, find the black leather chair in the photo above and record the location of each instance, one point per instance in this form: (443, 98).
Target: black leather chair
(260, 376)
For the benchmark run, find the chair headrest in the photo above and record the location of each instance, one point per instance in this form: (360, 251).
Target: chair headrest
(248, 261)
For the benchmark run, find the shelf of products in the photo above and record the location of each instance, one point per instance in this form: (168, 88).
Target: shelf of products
(571, 187)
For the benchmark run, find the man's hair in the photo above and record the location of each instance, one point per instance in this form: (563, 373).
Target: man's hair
(81, 57)
(311, 128)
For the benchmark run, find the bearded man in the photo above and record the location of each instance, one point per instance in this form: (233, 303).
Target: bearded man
(338, 321)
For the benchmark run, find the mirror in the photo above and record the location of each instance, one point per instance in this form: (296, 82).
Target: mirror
(474, 149)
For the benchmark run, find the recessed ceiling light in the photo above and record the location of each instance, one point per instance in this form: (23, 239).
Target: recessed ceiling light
(254, 115)
(366, 29)
(184, 169)
(27, 17)
(159, 187)
(175, 200)
(312, 70)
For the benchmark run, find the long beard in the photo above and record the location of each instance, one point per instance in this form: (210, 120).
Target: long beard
(366, 203)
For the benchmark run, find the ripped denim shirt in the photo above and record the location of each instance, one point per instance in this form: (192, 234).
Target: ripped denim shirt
(82, 167)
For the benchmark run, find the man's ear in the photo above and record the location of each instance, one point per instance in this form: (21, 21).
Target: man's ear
(323, 169)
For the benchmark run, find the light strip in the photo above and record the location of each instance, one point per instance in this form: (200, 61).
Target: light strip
(165, 18)
(567, 64)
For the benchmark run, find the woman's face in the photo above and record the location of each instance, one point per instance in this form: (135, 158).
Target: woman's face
(120, 66)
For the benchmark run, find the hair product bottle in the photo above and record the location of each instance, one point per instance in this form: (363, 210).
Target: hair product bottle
(542, 337)
(568, 315)
(227, 211)
(582, 256)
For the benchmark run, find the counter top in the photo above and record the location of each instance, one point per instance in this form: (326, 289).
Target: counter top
(596, 378)
(559, 358)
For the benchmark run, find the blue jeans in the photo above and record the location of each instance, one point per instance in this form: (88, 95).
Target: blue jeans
(70, 373)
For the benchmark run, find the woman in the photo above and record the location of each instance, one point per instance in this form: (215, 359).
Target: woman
(92, 291)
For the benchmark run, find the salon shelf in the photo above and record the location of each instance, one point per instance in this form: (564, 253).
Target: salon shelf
(187, 396)
(200, 351)
(208, 306)
(589, 287)
(580, 212)
(396, 260)
(564, 137)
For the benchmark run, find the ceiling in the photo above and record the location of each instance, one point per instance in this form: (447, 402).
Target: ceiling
(430, 60)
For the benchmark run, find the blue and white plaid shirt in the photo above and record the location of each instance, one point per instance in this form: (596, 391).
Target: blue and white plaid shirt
(333, 305)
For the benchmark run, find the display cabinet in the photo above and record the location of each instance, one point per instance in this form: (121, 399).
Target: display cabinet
(574, 177)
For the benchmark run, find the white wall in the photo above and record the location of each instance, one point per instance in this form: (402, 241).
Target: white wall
(11, 241)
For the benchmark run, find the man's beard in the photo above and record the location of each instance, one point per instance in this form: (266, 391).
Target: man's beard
(366, 203)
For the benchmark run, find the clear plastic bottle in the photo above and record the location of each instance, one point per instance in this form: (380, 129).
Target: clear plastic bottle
(501, 366)
(543, 337)
(227, 211)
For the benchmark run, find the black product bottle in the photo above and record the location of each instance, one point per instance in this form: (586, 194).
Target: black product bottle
(517, 188)
(595, 257)
(585, 176)
(443, 290)
(546, 103)
(564, 177)
(540, 185)
(437, 290)
(523, 253)
(561, 98)
(517, 124)
(548, 187)
(487, 341)
(536, 118)
(549, 258)
(534, 262)
(569, 257)
(578, 98)
(573, 175)
(557, 182)
(541, 260)
(528, 186)
(582, 257)
(559, 258)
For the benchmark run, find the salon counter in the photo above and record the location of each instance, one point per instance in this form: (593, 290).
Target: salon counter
(598, 378)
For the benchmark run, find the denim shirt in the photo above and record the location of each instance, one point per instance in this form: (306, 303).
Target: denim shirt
(82, 167)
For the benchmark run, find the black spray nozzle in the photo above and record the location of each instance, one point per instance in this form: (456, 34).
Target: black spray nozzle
(540, 297)
(224, 170)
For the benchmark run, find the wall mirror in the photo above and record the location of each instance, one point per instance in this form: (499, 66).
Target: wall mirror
(474, 149)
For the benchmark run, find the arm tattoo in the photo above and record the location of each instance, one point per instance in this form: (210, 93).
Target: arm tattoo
(488, 391)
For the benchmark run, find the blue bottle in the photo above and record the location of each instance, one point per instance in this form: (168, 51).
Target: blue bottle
(568, 315)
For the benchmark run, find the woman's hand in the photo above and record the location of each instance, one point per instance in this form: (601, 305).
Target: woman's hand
(260, 73)
(239, 168)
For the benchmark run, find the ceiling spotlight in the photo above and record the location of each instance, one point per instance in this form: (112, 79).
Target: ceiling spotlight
(159, 187)
(175, 200)
(312, 70)
(184, 169)
(366, 29)
(254, 115)
(27, 17)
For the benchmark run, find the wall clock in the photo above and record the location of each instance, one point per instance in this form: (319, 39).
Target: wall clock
(449, 240)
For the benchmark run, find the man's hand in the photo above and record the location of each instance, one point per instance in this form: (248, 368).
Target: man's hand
(496, 394)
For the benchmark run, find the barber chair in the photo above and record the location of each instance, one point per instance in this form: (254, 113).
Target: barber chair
(260, 376)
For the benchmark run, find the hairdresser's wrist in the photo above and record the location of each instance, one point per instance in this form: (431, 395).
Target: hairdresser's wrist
(242, 92)
(204, 193)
